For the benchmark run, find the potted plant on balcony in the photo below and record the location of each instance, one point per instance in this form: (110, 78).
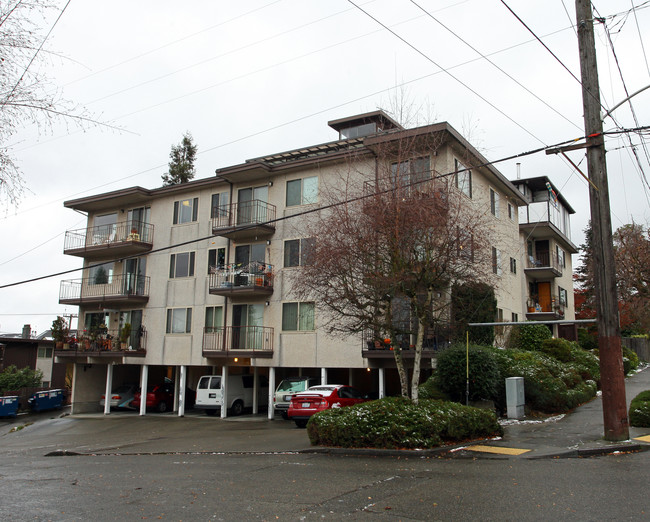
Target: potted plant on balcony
(59, 331)
(125, 335)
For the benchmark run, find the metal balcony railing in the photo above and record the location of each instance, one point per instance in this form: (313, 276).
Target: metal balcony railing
(544, 260)
(105, 236)
(127, 287)
(223, 339)
(543, 306)
(245, 214)
(254, 277)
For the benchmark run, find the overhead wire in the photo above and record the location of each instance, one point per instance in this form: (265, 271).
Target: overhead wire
(316, 209)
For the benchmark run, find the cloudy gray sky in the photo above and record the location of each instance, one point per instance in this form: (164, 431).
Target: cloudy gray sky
(256, 77)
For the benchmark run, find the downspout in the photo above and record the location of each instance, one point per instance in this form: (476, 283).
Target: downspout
(225, 307)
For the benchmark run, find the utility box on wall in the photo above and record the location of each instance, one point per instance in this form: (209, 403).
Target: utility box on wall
(515, 399)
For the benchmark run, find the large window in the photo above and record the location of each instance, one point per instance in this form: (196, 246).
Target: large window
(219, 205)
(297, 251)
(181, 265)
(494, 202)
(297, 317)
(101, 274)
(410, 172)
(179, 320)
(214, 317)
(186, 211)
(216, 258)
(463, 178)
(302, 191)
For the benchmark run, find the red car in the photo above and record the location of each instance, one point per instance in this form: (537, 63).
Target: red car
(323, 397)
(160, 397)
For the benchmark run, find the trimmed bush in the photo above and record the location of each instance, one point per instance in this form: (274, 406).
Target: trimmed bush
(483, 373)
(630, 360)
(430, 390)
(640, 410)
(557, 348)
(529, 336)
(398, 423)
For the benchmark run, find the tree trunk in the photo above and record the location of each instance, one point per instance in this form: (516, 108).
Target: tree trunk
(417, 362)
(401, 370)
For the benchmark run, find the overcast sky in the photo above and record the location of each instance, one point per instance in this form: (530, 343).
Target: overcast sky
(257, 77)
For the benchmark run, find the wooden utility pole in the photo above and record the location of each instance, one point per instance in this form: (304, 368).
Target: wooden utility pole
(609, 334)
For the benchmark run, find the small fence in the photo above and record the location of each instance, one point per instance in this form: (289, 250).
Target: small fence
(639, 345)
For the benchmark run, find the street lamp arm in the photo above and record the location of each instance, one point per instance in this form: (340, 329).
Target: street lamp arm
(623, 101)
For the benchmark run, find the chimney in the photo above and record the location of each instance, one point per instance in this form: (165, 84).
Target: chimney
(27, 331)
(518, 170)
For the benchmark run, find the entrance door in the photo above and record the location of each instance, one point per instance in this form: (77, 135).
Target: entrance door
(544, 295)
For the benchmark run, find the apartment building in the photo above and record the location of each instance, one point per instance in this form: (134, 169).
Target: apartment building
(193, 279)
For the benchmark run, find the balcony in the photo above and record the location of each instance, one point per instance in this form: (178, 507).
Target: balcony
(376, 347)
(117, 240)
(119, 290)
(539, 310)
(104, 344)
(544, 265)
(255, 279)
(238, 341)
(244, 220)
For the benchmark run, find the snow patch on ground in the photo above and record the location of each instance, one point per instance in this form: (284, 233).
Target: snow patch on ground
(511, 422)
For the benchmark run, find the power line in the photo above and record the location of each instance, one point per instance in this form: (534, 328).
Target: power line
(317, 209)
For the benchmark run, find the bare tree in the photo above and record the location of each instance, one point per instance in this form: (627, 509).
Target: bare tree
(396, 236)
(26, 95)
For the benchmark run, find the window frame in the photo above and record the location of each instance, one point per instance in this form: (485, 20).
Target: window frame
(495, 199)
(194, 210)
(464, 184)
(173, 265)
(187, 320)
(214, 254)
(496, 261)
(304, 246)
(305, 197)
(310, 316)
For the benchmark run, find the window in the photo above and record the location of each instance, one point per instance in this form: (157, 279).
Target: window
(560, 257)
(181, 265)
(179, 320)
(413, 171)
(214, 317)
(494, 202)
(186, 211)
(563, 296)
(515, 317)
(465, 241)
(218, 206)
(302, 191)
(513, 265)
(105, 228)
(296, 251)
(496, 261)
(44, 352)
(463, 179)
(216, 258)
(511, 212)
(247, 254)
(297, 317)
(101, 274)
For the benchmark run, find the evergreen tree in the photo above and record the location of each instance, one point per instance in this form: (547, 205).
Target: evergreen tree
(181, 164)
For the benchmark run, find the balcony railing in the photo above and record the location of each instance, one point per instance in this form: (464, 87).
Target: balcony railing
(545, 309)
(245, 219)
(253, 279)
(544, 264)
(127, 288)
(435, 339)
(101, 340)
(120, 238)
(252, 341)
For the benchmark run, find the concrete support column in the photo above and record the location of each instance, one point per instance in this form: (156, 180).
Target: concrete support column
(109, 389)
(323, 375)
(224, 391)
(181, 394)
(271, 412)
(256, 391)
(144, 377)
(382, 383)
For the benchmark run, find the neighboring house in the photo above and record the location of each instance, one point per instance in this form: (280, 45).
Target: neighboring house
(24, 351)
(220, 300)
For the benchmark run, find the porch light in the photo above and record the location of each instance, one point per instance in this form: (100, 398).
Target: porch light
(236, 359)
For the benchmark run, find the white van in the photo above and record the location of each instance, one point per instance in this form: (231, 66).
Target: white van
(239, 393)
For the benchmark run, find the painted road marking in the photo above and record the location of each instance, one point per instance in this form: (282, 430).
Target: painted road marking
(496, 449)
(645, 438)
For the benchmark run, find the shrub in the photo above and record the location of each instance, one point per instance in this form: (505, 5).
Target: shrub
(529, 336)
(588, 338)
(640, 410)
(630, 360)
(14, 379)
(560, 349)
(396, 422)
(483, 373)
(430, 390)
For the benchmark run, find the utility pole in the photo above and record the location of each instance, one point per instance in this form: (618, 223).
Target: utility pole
(609, 334)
